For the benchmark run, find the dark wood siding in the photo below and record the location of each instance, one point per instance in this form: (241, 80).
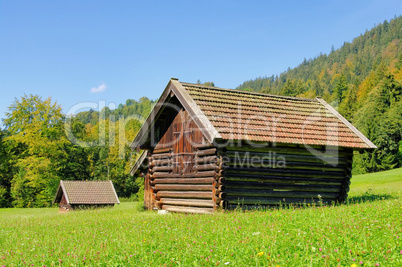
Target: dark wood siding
(283, 174)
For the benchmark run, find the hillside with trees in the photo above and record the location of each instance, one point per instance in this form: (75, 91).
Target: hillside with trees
(40, 146)
(363, 80)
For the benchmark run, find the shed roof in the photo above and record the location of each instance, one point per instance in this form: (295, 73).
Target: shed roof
(237, 115)
(87, 192)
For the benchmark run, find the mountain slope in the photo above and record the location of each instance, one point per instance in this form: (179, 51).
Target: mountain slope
(363, 80)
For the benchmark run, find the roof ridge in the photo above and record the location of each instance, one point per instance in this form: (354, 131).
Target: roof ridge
(249, 93)
(86, 180)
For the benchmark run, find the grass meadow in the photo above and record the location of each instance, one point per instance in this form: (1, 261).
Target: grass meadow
(366, 231)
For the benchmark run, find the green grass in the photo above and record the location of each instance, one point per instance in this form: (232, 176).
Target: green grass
(367, 230)
(385, 182)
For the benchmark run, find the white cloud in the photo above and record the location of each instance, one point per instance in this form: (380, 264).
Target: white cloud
(99, 89)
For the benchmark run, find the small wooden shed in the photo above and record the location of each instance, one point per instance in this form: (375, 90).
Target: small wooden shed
(208, 148)
(85, 194)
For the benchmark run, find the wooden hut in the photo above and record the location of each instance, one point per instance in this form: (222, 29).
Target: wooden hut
(208, 148)
(85, 194)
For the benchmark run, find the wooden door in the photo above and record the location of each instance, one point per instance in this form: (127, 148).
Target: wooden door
(183, 155)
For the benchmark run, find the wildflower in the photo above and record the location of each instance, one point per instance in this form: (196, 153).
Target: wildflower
(353, 265)
(361, 262)
(260, 253)
(377, 264)
(320, 249)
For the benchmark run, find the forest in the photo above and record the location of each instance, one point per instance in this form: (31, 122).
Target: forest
(362, 80)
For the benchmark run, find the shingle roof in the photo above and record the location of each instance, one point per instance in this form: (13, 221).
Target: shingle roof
(249, 116)
(87, 192)
(237, 115)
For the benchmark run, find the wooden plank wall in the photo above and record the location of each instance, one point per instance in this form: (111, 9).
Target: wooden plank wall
(182, 170)
(256, 176)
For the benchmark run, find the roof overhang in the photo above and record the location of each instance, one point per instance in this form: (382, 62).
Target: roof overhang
(348, 124)
(138, 165)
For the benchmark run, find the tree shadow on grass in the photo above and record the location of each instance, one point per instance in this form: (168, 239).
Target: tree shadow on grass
(369, 196)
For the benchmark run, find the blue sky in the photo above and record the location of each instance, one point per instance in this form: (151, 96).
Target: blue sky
(87, 51)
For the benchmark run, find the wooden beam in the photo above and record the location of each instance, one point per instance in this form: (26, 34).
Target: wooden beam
(207, 180)
(183, 187)
(185, 194)
(188, 209)
(186, 202)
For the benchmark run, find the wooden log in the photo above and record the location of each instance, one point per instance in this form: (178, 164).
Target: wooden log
(160, 156)
(262, 171)
(280, 194)
(207, 180)
(160, 162)
(216, 199)
(219, 174)
(183, 187)
(206, 167)
(162, 150)
(186, 202)
(287, 150)
(223, 204)
(204, 160)
(287, 174)
(241, 155)
(184, 194)
(206, 152)
(282, 179)
(288, 165)
(220, 195)
(264, 186)
(253, 160)
(162, 168)
(203, 146)
(217, 184)
(188, 209)
(273, 201)
(187, 175)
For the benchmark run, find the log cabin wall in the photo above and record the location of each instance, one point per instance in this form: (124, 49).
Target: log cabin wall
(253, 176)
(182, 169)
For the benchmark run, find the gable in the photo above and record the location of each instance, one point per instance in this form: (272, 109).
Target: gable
(173, 98)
